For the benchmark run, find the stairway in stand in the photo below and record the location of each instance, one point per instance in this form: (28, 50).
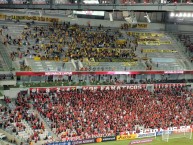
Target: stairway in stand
(46, 126)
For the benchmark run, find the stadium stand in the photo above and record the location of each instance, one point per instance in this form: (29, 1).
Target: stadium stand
(87, 113)
(41, 46)
(69, 81)
(18, 119)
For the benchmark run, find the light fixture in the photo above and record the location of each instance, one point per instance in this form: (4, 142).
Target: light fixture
(172, 14)
(181, 14)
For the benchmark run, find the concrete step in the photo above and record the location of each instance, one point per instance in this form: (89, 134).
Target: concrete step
(46, 125)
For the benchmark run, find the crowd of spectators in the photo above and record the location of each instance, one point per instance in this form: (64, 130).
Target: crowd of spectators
(88, 113)
(60, 41)
(185, 39)
(8, 76)
(13, 118)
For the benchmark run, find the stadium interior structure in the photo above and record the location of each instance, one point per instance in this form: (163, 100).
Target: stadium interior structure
(89, 71)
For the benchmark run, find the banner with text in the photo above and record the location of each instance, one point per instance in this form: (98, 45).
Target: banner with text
(71, 88)
(126, 137)
(143, 135)
(84, 141)
(61, 143)
(143, 141)
(169, 85)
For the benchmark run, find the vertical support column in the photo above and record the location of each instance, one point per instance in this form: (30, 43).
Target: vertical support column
(10, 2)
(30, 1)
(52, 2)
(115, 2)
(79, 2)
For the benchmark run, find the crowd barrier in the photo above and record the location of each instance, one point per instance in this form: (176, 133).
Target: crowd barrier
(126, 137)
(144, 134)
(49, 19)
(152, 42)
(33, 18)
(132, 33)
(60, 143)
(107, 49)
(139, 26)
(86, 141)
(130, 63)
(37, 58)
(159, 51)
(70, 88)
(149, 42)
(121, 42)
(62, 73)
(147, 39)
(2, 16)
(103, 87)
(165, 42)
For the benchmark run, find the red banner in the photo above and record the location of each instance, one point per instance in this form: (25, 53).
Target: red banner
(52, 89)
(100, 73)
(57, 73)
(102, 87)
(58, 89)
(134, 86)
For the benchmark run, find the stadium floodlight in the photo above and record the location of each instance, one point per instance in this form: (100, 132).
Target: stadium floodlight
(172, 14)
(180, 14)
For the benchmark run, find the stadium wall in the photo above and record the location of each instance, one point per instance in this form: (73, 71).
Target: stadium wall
(13, 92)
(155, 17)
(147, 133)
(93, 22)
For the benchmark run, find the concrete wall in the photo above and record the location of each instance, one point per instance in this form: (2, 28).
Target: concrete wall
(156, 18)
(178, 27)
(185, 28)
(11, 137)
(12, 93)
(8, 82)
(105, 23)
